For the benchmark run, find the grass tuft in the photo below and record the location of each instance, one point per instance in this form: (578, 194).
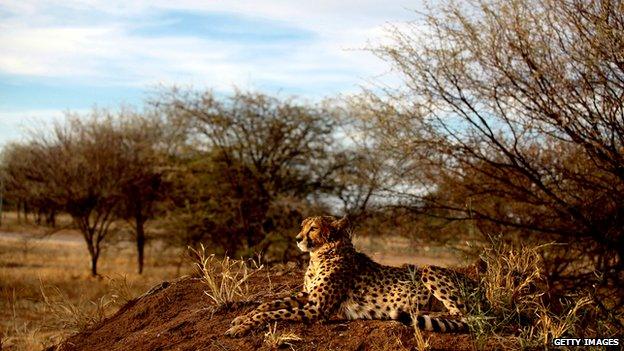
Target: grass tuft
(277, 340)
(70, 316)
(422, 344)
(226, 278)
(121, 290)
(510, 300)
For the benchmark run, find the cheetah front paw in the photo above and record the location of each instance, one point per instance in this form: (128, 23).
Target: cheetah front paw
(237, 331)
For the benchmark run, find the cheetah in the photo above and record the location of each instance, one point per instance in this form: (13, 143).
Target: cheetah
(341, 280)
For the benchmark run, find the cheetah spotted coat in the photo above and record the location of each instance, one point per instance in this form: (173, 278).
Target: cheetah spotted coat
(340, 280)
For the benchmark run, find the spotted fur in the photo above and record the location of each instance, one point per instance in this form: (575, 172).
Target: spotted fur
(340, 280)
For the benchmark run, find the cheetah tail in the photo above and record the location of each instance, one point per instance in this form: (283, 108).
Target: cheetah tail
(435, 324)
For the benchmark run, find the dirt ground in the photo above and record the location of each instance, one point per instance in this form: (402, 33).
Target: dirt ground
(178, 316)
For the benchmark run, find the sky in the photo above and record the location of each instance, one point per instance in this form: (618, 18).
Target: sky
(60, 56)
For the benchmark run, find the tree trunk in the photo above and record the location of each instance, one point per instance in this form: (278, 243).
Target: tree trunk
(26, 210)
(37, 215)
(94, 261)
(140, 238)
(94, 251)
(51, 218)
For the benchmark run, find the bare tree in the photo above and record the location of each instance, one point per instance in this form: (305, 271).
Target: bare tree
(21, 182)
(355, 179)
(98, 168)
(79, 167)
(251, 148)
(146, 141)
(512, 115)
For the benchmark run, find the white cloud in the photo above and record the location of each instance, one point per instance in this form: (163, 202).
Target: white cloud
(37, 43)
(52, 51)
(92, 43)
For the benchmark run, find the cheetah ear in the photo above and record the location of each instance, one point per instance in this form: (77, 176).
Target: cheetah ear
(341, 224)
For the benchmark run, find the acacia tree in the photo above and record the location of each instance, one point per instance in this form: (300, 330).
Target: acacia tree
(86, 166)
(21, 185)
(16, 162)
(251, 149)
(512, 115)
(146, 141)
(98, 168)
(81, 166)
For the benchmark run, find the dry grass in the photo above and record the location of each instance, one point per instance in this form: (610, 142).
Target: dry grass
(11, 223)
(550, 325)
(46, 290)
(422, 344)
(510, 299)
(225, 278)
(276, 339)
(513, 276)
(69, 317)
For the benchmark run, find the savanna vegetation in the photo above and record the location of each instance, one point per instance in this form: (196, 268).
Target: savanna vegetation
(505, 141)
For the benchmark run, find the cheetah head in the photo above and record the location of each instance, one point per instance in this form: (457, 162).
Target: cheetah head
(318, 231)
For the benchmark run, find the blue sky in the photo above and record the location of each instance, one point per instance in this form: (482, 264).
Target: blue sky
(73, 55)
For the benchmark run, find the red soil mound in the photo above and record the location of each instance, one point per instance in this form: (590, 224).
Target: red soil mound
(179, 316)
